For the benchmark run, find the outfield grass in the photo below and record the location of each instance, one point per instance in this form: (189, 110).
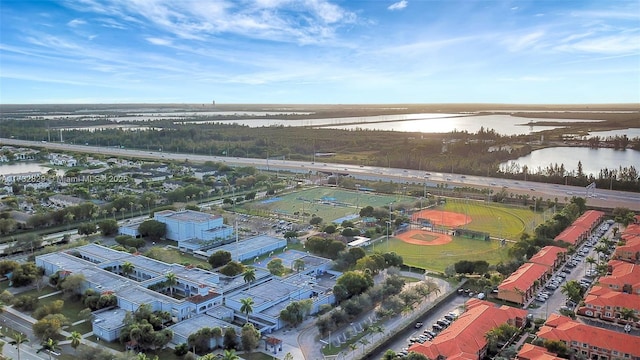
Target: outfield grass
(310, 201)
(438, 257)
(497, 220)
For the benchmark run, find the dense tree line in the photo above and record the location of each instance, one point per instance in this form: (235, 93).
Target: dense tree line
(462, 152)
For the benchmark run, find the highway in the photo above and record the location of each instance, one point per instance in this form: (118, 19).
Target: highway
(603, 197)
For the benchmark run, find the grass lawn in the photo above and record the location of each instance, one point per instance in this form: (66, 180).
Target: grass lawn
(70, 308)
(82, 328)
(44, 291)
(256, 356)
(497, 220)
(438, 257)
(172, 256)
(311, 201)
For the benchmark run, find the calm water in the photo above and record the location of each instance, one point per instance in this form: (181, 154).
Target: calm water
(23, 167)
(631, 133)
(592, 159)
(503, 124)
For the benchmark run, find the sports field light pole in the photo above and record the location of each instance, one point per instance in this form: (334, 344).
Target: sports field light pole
(388, 223)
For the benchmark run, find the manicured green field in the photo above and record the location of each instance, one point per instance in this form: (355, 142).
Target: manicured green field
(497, 220)
(311, 201)
(438, 257)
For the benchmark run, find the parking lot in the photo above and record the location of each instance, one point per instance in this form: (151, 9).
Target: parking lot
(550, 298)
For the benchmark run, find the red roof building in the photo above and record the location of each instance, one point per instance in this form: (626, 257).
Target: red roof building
(590, 342)
(465, 339)
(572, 235)
(606, 304)
(581, 227)
(590, 219)
(630, 251)
(532, 352)
(551, 256)
(521, 285)
(623, 276)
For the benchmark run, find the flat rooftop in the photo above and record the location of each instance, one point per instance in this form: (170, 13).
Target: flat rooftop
(266, 292)
(101, 252)
(188, 215)
(110, 320)
(248, 245)
(191, 325)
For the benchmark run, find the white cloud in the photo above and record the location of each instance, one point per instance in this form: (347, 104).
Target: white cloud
(614, 44)
(522, 42)
(159, 41)
(398, 6)
(76, 22)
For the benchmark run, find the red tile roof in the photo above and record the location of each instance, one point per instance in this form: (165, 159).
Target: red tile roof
(629, 250)
(532, 352)
(547, 255)
(589, 218)
(465, 337)
(601, 297)
(571, 235)
(523, 278)
(563, 328)
(622, 273)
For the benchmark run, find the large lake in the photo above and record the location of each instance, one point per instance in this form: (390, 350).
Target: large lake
(22, 167)
(592, 159)
(424, 122)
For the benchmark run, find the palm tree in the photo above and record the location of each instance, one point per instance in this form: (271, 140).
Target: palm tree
(230, 355)
(353, 348)
(376, 329)
(127, 268)
(171, 281)
(288, 356)
(208, 356)
(19, 338)
(298, 264)
(249, 276)
(590, 260)
(247, 306)
(572, 290)
(364, 343)
(626, 314)
(50, 346)
(75, 338)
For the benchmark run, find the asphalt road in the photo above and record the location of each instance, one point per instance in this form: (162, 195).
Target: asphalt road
(603, 197)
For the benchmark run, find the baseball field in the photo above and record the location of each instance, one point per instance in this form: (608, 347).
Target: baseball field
(431, 247)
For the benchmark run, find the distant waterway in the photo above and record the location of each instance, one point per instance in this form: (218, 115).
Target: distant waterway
(502, 124)
(22, 167)
(593, 160)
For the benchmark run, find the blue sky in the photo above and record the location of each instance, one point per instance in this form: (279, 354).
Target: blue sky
(319, 51)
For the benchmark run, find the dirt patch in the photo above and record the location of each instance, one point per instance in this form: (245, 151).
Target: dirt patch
(442, 218)
(422, 237)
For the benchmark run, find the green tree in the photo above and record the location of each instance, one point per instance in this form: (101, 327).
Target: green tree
(249, 337)
(127, 268)
(246, 307)
(72, 284)
(219, 258)
(153, 229)
(275, 267)
(298, 265)
(230, 355)
(50, 346)
(108, 227)
(389, 355)
(249, 276)
(171, 280)
(76, 339)
(19, 339)
(572, 290)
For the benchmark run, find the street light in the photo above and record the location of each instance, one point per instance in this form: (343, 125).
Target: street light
(388, 223)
